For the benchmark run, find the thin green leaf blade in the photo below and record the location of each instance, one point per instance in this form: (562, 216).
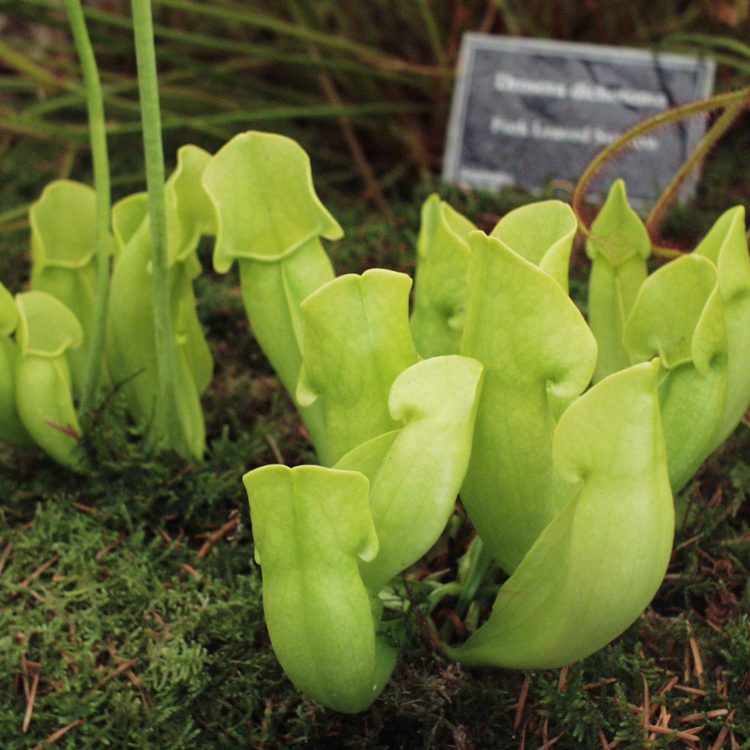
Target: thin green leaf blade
(268, 216)
(43, 386)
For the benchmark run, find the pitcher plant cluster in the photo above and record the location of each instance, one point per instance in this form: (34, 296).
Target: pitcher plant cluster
(45, 365)
(566, 439)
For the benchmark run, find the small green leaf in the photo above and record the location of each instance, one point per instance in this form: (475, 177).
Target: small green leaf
(272, 293)
(618, 234)
(63, 229)
(189, 209)
(131, 338)
(667, 310)
(128, 216)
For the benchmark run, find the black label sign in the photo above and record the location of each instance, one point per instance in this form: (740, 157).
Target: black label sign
(529, 111)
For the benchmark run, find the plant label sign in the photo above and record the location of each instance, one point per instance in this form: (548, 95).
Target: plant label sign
(528, 111)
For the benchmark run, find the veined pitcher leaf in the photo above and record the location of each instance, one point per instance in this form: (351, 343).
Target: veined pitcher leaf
(132, 358)
(63, 226)
(538, 355)
(618, 247)
(441, 279)
(269, 217)
(726, 246)
(543, 233)
(184, 227)
(596, 566)
(128, 216)
(272, 293)
(133, 363)
(190, 336)
(8, 312)
(356, 341)
(264, 200)
(189, 214)
(11, 427)
(189, 209)
(678, 316)
(311, 527)
(416, 472)
(47, 329)
(63, 245)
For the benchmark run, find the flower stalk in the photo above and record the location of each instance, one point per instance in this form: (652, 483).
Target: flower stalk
(154, 161)
(100, 158)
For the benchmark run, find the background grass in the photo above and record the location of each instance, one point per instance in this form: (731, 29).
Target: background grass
(130, 613)
(364, 86)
